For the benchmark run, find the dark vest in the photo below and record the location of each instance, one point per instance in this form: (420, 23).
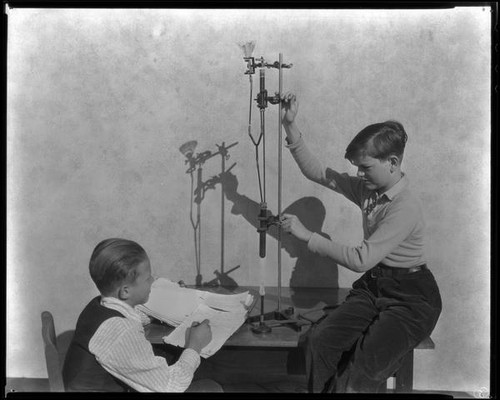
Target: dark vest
(81, 371)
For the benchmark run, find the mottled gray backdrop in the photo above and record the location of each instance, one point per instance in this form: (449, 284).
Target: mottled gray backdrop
(99, 102)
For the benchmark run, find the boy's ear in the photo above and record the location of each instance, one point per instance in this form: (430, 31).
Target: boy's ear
(394, 160)
(123, 292)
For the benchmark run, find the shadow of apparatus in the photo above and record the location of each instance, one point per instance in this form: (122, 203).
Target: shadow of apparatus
(198, 189)
(310, 270)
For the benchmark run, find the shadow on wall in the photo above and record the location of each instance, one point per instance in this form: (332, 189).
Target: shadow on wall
(310, 270)
(199, 187)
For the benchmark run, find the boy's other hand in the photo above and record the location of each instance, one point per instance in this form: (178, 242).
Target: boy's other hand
(290, 108)
(198, 335)
(291, 224)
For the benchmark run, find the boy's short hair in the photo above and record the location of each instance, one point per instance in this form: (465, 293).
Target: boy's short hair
(115, 261)
(379, 141)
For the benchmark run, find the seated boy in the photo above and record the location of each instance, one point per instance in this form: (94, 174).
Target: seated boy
(109, 352)
(396, 303)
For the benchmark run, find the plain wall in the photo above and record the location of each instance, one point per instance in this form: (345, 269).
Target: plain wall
(99, 102)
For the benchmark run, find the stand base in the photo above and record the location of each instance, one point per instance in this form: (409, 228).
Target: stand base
(273, 315)
(261, 328)
(284, 316)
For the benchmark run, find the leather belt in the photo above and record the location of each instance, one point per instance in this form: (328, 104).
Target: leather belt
(383, 270)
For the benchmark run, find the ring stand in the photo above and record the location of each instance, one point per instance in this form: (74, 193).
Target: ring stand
(281, 317)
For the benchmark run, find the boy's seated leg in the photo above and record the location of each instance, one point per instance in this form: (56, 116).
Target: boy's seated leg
(204, 385)
(379, 352)
(335, 335)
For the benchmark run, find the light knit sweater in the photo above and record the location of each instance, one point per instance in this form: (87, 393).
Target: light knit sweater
(393, 229)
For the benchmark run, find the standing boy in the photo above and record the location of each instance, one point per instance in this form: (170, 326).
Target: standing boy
(109, 352)
(396, 303)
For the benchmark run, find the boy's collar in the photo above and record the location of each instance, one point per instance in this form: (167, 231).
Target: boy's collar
(118, 305)
(397, 188)
(113, 300)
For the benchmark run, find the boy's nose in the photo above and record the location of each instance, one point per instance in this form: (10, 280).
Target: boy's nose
(360, 174)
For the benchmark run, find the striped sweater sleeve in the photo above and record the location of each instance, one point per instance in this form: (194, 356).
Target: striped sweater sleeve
(122, 349)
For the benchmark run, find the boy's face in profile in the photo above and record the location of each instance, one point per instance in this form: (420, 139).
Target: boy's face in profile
(375, 173)
(139, 290)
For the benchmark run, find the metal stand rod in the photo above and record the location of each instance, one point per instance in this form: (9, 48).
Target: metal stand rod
(263, 130)
(198, 279)
(280, 173)
(262, 327)
(223, 167)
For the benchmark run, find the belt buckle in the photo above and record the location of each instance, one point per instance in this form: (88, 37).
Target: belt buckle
(415, 269)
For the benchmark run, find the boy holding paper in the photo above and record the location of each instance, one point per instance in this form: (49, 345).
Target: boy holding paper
(109, 352)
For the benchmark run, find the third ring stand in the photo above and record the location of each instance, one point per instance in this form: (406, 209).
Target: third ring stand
(279, 316)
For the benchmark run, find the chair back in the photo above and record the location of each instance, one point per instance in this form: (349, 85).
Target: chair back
(54, 367)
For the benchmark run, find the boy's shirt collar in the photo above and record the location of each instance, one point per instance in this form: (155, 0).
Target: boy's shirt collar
(120, 306)
(397, 188)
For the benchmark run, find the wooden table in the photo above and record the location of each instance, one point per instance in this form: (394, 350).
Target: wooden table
(305, 302)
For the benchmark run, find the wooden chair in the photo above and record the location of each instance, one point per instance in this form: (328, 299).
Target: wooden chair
(52, 358)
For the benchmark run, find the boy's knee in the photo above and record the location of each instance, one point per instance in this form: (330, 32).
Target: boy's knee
(320, 338)
(314, 337)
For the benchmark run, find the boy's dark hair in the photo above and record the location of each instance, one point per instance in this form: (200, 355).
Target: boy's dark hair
(379, 141)
(114, 261)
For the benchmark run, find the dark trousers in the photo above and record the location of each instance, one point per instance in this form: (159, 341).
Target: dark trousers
(382, 319)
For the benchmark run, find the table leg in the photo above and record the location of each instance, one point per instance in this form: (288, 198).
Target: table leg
(404, 375)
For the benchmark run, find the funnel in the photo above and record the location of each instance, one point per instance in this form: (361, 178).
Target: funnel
(188, 148)
(247, 48)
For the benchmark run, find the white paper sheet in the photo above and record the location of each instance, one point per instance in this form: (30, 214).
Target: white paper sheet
(180, 307)
(227, 302)
(170, 302)
(222, 323)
